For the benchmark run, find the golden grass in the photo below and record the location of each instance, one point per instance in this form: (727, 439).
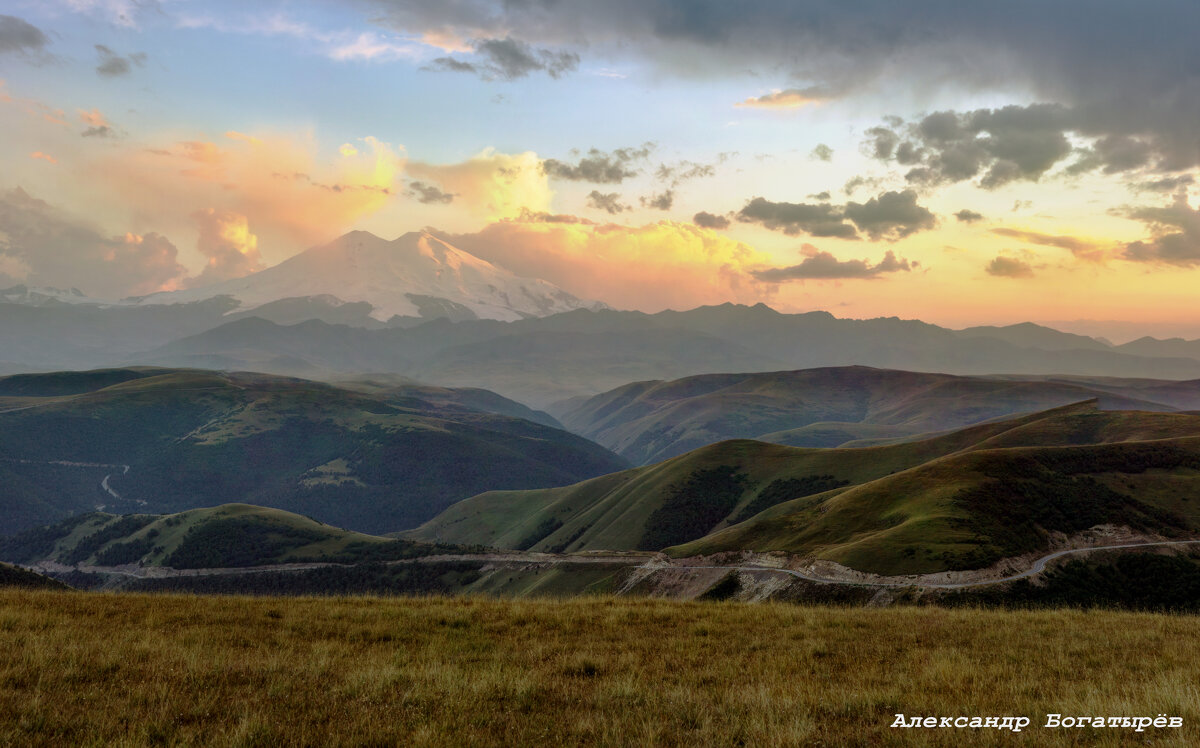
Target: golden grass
(100, 669)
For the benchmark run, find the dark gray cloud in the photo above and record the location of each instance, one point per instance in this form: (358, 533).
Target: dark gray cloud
(662, 201)
(20, 37)
(42, 246)
(1166, 184)
(609, 202)
(428, 193)
(509, 59)
(821, 219)
(890, 215)
(707, 220)
(599, 167)
(1009, 267)
(968, 216)
(819, 265)
(1121, 68)
(684, 171)
(112, 65)
(99, 131)
(822, 152)
(1175, 231)
(997, 146)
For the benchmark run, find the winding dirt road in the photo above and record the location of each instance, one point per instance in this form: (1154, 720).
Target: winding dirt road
(640, 562)
(915, 581)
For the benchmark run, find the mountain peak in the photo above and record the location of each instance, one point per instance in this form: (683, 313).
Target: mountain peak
(418, 274)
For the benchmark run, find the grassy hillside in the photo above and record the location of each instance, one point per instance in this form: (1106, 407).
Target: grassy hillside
(163, 669)
(224, 536)
(647, 422)
(170, 440)
(14, 577)
(959, 500)
(970, 510)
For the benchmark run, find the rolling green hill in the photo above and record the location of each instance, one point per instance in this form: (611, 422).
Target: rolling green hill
(231, 535)
(955, 501)
(16, 577)
(648, 422)
(163, 441)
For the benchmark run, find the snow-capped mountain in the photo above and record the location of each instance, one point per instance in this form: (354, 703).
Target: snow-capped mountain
(416, 275)
(44, 296)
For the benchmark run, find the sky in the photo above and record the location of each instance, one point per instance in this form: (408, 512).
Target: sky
(960, 163)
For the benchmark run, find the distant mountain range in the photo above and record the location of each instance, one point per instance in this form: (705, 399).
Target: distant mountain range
(646, 422)
(420, 308)
(581, 353)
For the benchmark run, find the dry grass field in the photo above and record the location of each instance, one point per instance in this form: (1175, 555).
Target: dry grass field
(123, 669)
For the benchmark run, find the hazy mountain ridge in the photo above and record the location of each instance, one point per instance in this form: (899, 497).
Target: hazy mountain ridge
(648, 422)
(543, 360)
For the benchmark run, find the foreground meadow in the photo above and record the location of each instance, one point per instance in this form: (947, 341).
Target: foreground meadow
(124, 669)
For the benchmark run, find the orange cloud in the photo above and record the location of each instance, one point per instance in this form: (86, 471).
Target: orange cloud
(498, 185)
(791, 98)
(275, 181)
(92, 118)
(229, 246)
(651, 267)
(32, 107)
(43, 157)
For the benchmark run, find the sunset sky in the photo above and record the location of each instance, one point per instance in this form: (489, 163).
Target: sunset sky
(961, 163)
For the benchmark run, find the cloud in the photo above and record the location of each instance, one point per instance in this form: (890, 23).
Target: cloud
(890, 215)
(368, 46)
(609, 202)
(43, 157)
(792, 98)
(1009, 267)
(707, 220)
(97, 125)
(1166, 184)
(1084, 249)
(530, 216)
(662, 201)
(1122, 69)
(497, 185)
(17, 36)
(282, 183)
(428, 193)
(819, 265)
(683, 171)
(1175, 233)
(229, 248)
(509, 59)
(599, 167)
(650, 267)
(968, 216)
(338, 45)
(43, 246)
(821, 152)
(112, 64)
(795, 218)
(996, 145)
